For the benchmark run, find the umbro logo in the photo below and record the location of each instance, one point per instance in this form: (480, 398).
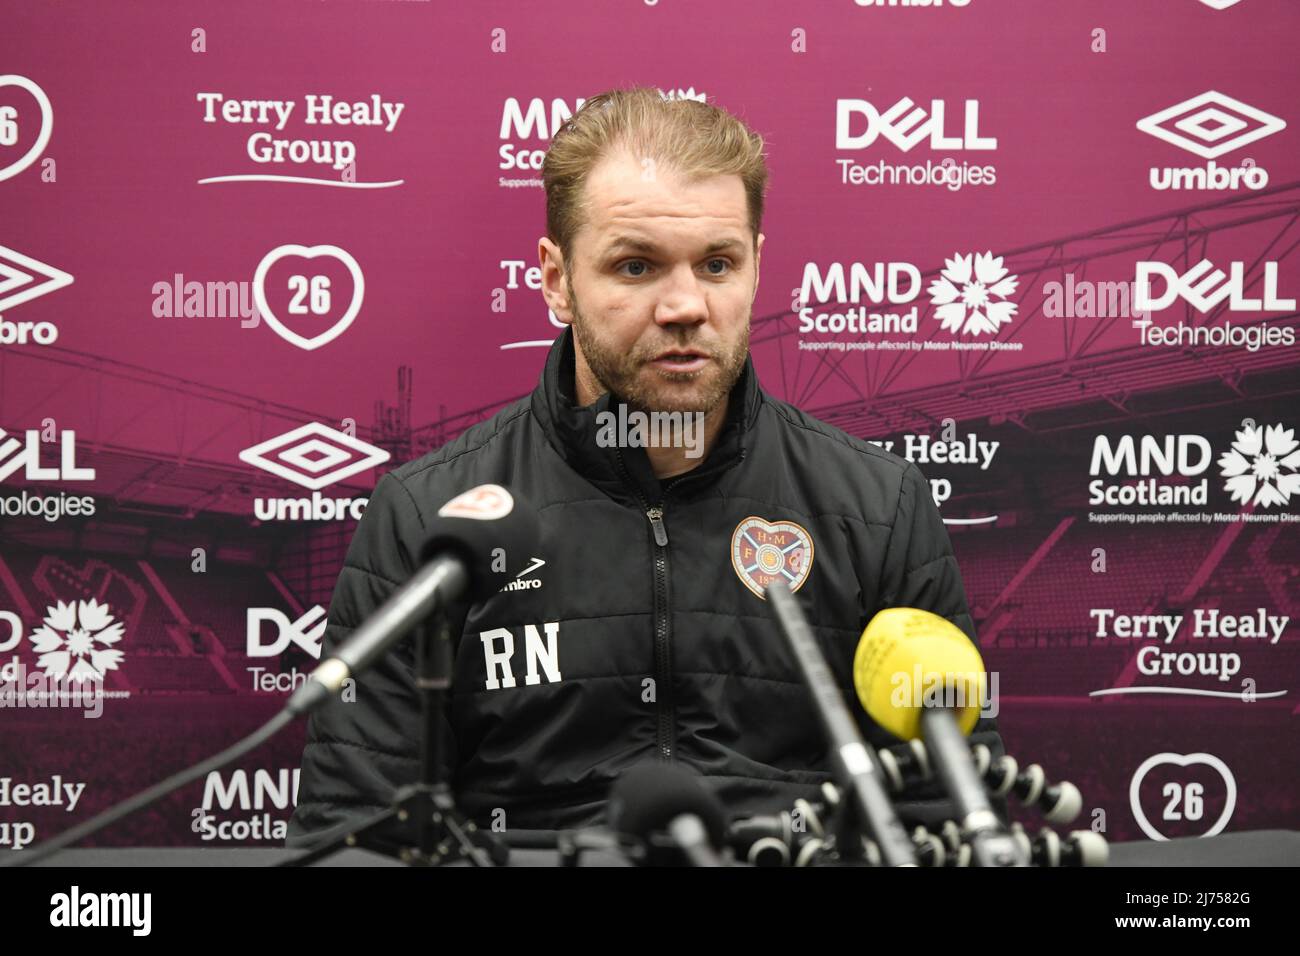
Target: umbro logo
(22, 279)
(314, 456)
(522, 581)
(1211, 124)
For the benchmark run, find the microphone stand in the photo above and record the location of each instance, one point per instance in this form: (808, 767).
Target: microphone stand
(434, 831)
(853, 759)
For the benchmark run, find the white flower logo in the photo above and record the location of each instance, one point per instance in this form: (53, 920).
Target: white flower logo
(1262, 467)
(970, 297)
(69, 641)
(683, 94)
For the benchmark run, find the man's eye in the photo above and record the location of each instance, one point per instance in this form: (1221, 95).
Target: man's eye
(642, 266)
(634, 262)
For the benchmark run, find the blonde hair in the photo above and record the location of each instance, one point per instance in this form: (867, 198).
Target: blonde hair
(695, 139)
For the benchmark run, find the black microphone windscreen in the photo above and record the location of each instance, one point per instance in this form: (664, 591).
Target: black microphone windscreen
(650, 795)
(492, 530)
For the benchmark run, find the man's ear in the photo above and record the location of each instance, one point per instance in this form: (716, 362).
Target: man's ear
(552, 263)
(758, 257)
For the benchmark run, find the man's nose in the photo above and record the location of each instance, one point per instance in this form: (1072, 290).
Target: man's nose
(683, 301)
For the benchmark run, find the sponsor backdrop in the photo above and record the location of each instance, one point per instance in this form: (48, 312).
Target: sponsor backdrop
(253, 254)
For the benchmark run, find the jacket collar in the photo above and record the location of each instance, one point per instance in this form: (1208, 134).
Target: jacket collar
(625, 473)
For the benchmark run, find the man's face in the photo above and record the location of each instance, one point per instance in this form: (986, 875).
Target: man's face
(660, 287)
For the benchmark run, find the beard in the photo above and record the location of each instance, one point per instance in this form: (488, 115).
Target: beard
(623, 373)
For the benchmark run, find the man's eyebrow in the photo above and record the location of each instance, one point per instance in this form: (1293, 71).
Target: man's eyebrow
(642, 245)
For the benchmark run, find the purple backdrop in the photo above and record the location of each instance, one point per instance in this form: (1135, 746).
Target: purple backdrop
(159, 163)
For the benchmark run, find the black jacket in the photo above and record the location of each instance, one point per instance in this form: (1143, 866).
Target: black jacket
(637, 638)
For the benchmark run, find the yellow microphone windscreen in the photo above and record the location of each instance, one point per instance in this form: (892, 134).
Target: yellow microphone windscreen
(909, 659)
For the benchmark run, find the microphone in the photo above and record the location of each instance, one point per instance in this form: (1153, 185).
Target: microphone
(653, 799)
(792, 837)
(909, 763)
(855, 762)
(464, 541)
(907, 647)
(468, 536)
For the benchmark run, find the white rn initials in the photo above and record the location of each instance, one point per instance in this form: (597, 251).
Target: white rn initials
(497, 662)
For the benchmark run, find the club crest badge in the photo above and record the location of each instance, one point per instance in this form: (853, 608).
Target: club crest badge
(766, 551)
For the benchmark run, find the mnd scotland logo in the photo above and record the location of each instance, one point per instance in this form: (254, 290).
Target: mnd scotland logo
(971, 295)
(971, 300)
(528, 123)
(76, 641)
(1261, 471)
(1263, 466)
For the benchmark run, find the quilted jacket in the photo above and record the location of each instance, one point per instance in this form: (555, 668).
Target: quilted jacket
(638, 631)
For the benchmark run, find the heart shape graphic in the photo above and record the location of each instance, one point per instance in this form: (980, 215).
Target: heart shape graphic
(47, 124)
(764, 551)
(288, 334)
(58, 580)
(1182, 760)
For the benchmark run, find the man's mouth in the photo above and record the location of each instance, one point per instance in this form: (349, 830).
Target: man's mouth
(680, 360)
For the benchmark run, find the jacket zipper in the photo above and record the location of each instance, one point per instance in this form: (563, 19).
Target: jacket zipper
(665, 716)
(663, 650)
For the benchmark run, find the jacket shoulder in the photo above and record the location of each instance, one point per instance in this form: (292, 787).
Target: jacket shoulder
(822, 439)
(477, 456)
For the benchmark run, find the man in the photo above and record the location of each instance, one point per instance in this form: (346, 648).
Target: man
(639, 630)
